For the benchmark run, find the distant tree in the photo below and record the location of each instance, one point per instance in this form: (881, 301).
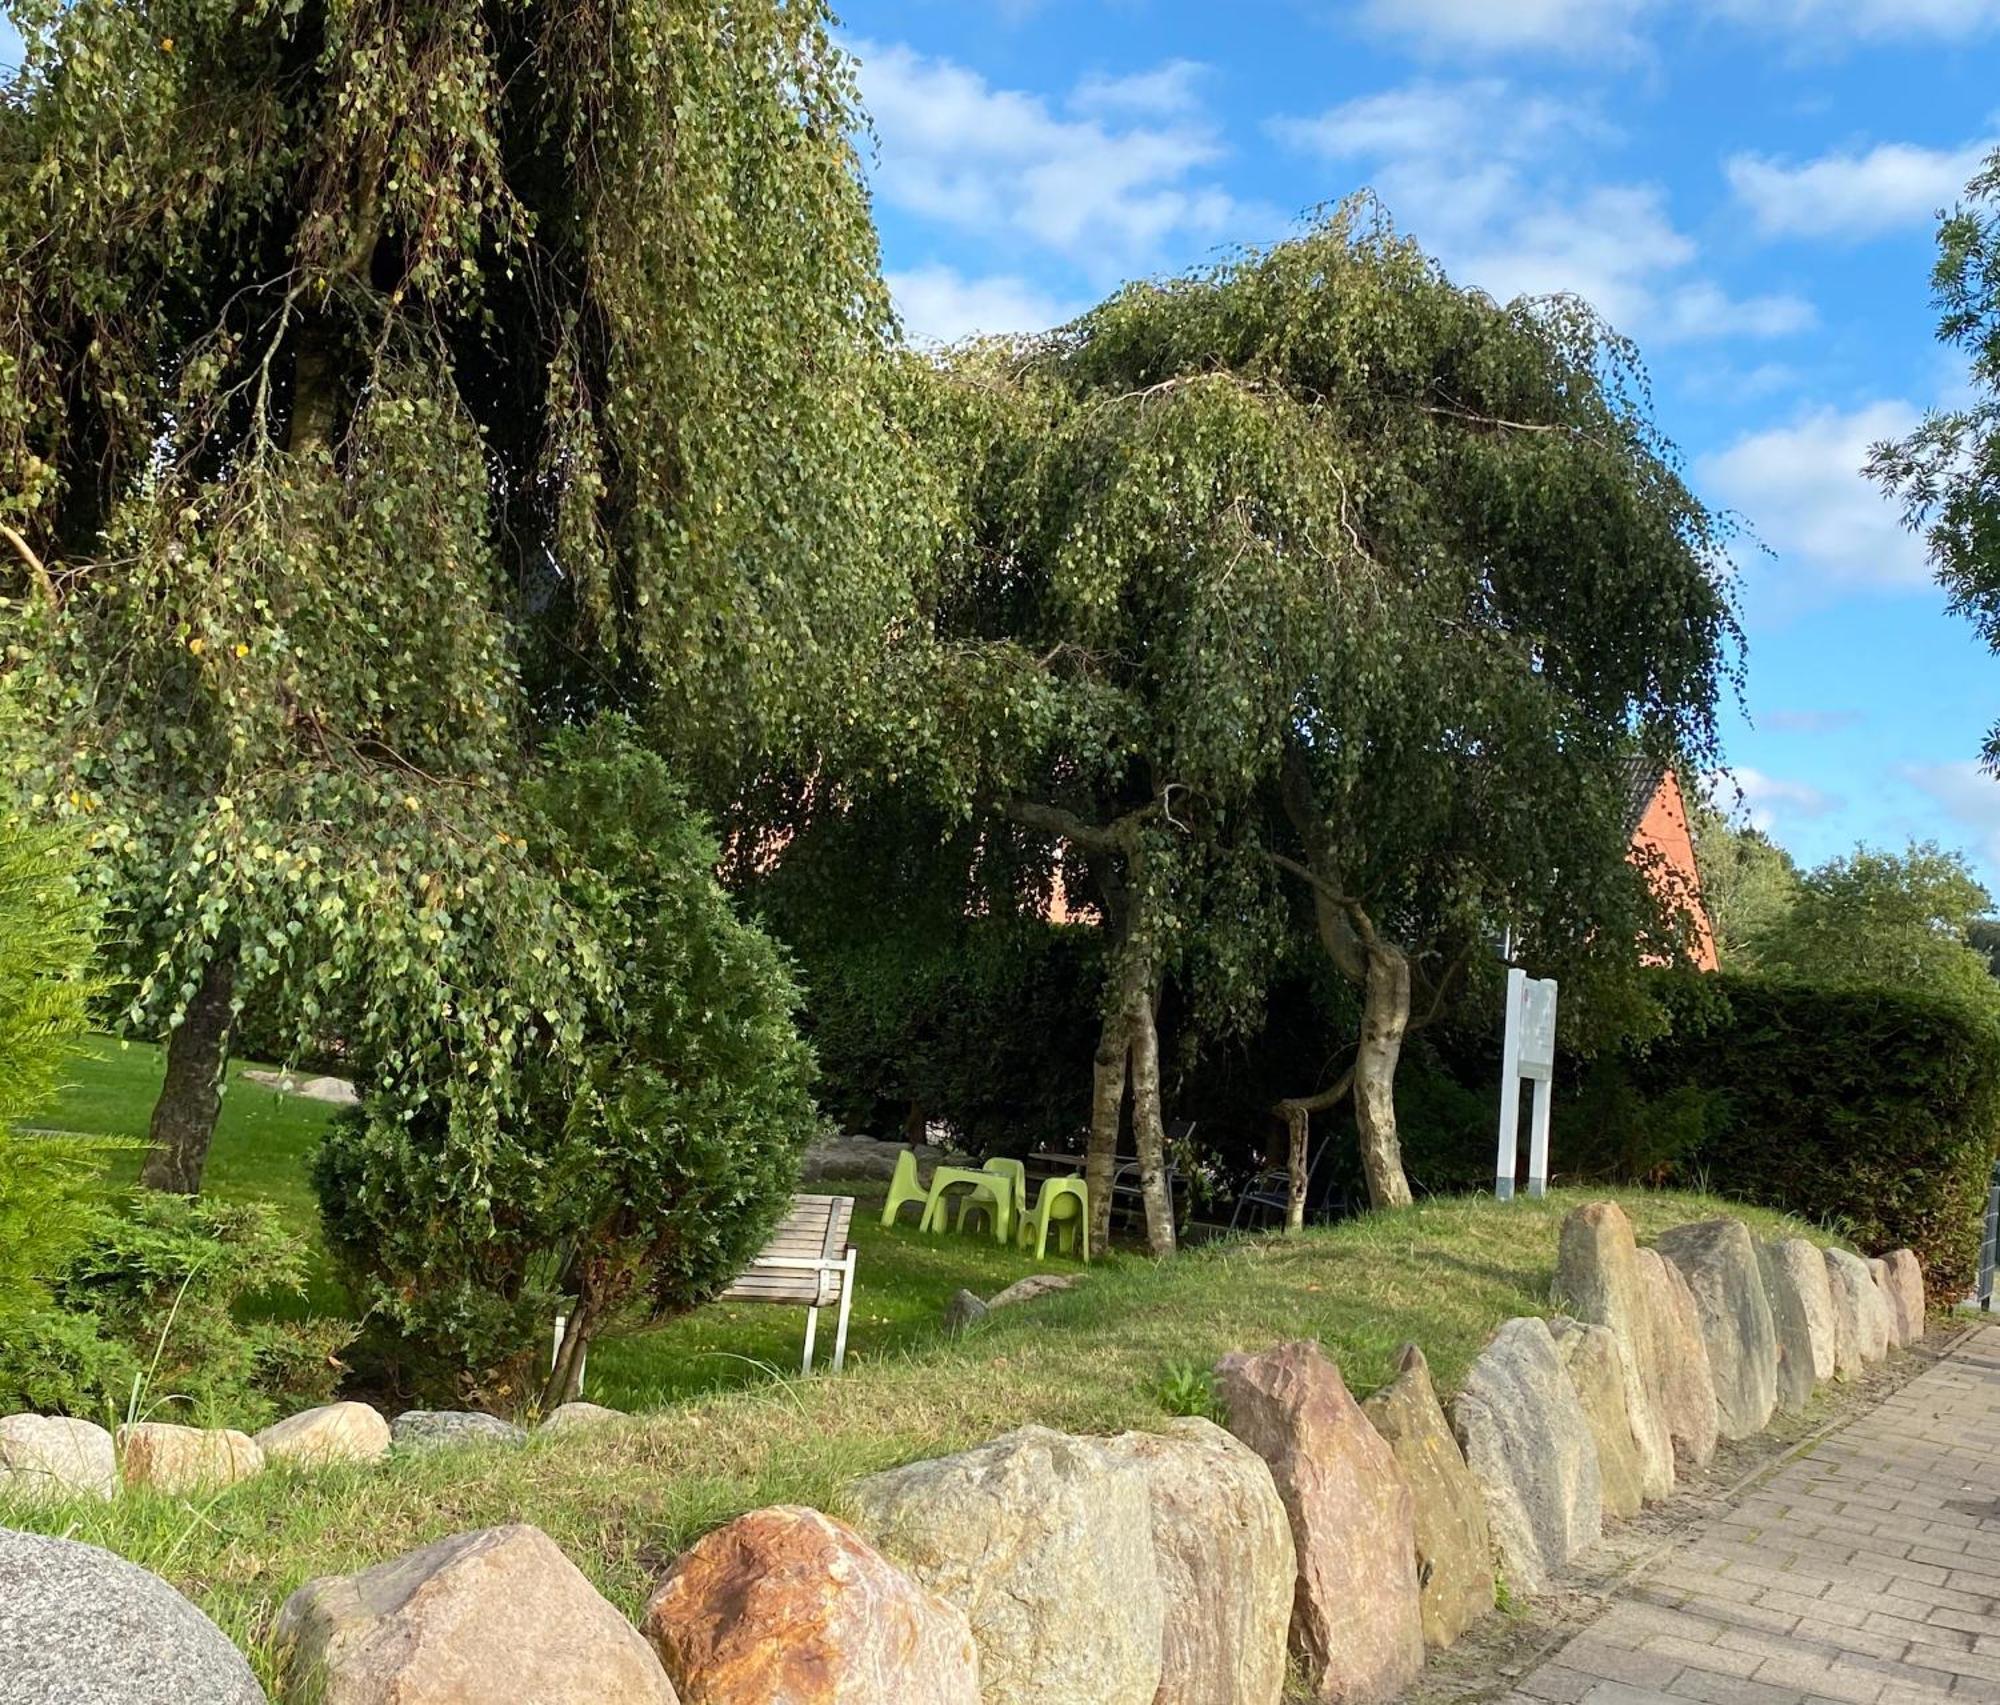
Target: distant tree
(1947, 472)
(1748, 883)
(1899, 920)
(380, 387)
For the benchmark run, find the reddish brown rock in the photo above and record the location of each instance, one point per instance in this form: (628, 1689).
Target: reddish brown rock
(1223, 1546)
(1454, 1544)
(789, 1605)
(1357, 1628)
(170, 1459)
(496, 1614)
(1902, 1282)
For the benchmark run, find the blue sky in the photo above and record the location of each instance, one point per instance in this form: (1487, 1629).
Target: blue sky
(1746, 187)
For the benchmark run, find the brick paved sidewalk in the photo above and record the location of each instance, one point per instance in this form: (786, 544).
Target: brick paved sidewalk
(1866, 1571)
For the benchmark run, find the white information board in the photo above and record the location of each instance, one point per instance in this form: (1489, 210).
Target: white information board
(1527, 1050)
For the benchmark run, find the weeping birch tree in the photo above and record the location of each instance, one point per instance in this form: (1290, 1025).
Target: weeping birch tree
(1320, 562)
(380, 387)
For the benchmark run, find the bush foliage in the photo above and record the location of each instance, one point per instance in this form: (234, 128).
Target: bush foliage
(1875, 1109)
(647, 1168)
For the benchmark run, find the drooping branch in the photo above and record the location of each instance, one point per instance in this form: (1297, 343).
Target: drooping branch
(45, 587)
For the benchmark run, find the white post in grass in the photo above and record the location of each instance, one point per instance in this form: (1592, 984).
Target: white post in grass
(1527, 1050)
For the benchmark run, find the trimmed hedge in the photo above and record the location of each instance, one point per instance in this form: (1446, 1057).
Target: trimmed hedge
(1875, 1109)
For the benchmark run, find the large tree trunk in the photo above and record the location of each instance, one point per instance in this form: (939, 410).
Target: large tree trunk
(565, 1381)
(1107, 1110)
(190, 1100)
(1385, 1016)
(1148, 1133)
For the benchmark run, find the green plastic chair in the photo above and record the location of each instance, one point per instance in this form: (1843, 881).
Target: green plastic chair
(1064, 1208)
(1003, 1205)
(904, 1188)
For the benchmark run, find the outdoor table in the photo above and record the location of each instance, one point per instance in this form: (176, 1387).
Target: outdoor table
(995, 1187)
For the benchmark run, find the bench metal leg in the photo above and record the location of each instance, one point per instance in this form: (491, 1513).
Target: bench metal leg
(846, 1296)
(812, 1332)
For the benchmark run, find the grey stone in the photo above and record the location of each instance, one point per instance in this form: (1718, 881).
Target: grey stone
(1598, 1280)
(1046, 1543)
(1860, 1311)
(1878, 1274)
(333, 1091)
(1596, 1367)
(1680, 1357)
(439, 1429)
(861, 1158)
(496, 1614)
(963, 1309)
(1223, 1547)
(570, 1417)
(79, 1626)
(1793, 1330)
(1357, 1620)
(1805, 1269)
(1454, 1544)
(53, 1456)
(1529, 1445)
(1033, 1286)
(1718, 1258)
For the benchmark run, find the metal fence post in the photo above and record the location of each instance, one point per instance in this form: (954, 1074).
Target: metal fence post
(1990, 1247)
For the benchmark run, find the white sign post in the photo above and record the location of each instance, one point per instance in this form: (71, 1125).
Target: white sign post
(1528, 1051)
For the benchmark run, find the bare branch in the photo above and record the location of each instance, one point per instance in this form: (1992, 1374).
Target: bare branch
(40, 575)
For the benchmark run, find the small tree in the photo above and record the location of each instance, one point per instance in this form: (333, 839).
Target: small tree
(648, 1168)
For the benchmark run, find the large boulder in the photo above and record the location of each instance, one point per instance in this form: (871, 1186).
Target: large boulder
(1357, 1627)
(1599, 1282)
(1803, 1270)
(173, 1460)
(1718, 1258)
(79, 1626)
(1878, 1275)
(1903, 1285)
(1529, 1445)
(1686, 1394)
(1223, 1546)
(1033, 1286)
(334, 1432)
(418, 1430)
(1860, 1311)
(53, 1456)
(496, 1614)
(789, 1605)
(1596, 1367)
(1454, 1544)
(1046, 1543)
(1792, 1326)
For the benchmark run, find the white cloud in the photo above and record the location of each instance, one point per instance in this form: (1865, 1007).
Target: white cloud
(1969, 796)
(1594, 28)
(1166, 90)
(939, 305)
(1801, 488)
(1105, 192)
(1852, 195)
(1497, 184)
(1507, 26)
(1769, 800)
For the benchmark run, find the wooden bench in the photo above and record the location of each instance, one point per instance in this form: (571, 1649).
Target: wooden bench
(808, 1262)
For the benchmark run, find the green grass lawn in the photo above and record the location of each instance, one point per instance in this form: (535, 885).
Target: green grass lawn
(263, 1146)
(731, 1427)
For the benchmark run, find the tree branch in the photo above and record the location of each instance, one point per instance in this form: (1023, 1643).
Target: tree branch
(39, 574)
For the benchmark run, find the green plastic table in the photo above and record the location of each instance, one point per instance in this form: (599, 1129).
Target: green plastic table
(994, 1189)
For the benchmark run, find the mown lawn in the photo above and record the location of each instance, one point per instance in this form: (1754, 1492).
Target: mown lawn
(263, 1147)
(1101, 1357)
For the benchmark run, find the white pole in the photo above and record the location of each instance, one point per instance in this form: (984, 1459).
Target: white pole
(1510, 1087)
(1538, 1140)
